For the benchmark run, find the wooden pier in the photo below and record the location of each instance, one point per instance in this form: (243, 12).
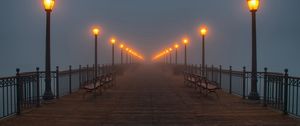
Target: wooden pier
(150, 96)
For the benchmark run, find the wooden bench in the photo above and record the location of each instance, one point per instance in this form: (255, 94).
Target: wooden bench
(90, 87)
(104, 80)
(199, 82)
(207, 86)
(109, 80)
(190, 79)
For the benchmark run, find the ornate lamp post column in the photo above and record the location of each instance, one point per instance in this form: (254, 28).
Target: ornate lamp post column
(253, 7)
(96, 33)
(113, 41)
(170, 50)
(48, 95)
(176, 46)
(203, 33)
(185, 42)
(121, 47)
(127, 50)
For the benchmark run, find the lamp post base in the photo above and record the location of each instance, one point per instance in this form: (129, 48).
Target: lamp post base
(48, 95)
(253, 96)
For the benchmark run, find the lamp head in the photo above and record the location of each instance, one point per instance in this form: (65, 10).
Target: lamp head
(96, 31)
(113, 41)
(253, 5)
(48, 5)
(203, 31)
(121, 46)
(185, 41)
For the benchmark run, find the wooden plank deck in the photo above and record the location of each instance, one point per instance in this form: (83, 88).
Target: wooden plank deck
(150, 97)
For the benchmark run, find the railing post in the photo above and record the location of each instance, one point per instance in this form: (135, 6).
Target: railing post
(37, 87)
(93, 77)
(286, 80)
(18, 92)
(206, 72)
(70, 79)
(193, 68)
(87, 73)
(220, 83)
(212, 72)
(103, 69)
(244, 82)
(57, 82)
(265, 86)
(80, 78)
(230, 80)
(200, 70)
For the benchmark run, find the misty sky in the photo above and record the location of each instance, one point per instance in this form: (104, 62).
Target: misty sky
(149, 26)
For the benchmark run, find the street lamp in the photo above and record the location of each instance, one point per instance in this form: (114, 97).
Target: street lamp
(48, 95)
(170, 49)
(167, 51)
(130, 56)
(166, 60)
(96, 33)
(121, 47)
(253, 7)
(203, 33)
(113, 41)
(127, 50)
(185, 42)
(176, 46)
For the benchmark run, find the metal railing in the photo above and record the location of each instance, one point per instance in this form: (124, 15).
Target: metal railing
(277, 90)
(25, 90)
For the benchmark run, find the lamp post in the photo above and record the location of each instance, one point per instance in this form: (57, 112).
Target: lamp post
(130, 57)
(170, 49)
(203, 33)
(176, 46)
(113, 41)
(96, 33)
(253, 7)
(185, 42)
(48, 95)
(127, 50)
(165, 52)
(121, 46)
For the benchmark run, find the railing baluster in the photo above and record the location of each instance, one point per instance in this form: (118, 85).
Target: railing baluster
(244, 83)
(220, 72)
(70, 79)
(297, 96)
(18, 93)
(80, 79)
(265, 86)
(37, 87)
(230, 80)
(57, 82)
(212, 72)
(286, 77)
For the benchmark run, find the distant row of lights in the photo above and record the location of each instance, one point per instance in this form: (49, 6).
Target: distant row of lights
(122, 46)
(185, 41)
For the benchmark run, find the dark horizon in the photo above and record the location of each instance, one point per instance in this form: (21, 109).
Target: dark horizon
(149, 26)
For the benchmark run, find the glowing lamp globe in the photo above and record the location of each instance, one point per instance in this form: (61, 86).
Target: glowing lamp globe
(113, 41)
(121, 46)
(253, 5)
(48, 5)
(203, 31)
(96, 31)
